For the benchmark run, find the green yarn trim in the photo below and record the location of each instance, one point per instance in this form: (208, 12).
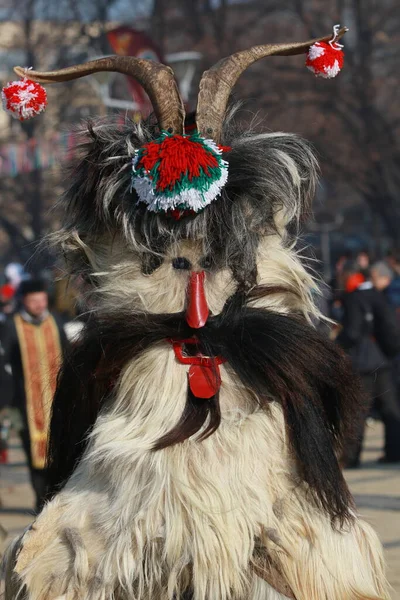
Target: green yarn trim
(200, 183)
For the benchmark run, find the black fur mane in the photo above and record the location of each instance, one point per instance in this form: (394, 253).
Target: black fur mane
(277, 356)
(267, 173)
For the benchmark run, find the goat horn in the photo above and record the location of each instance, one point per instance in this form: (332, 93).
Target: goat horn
(157, 80)
(216, 84)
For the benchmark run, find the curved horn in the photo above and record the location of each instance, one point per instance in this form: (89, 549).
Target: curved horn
(216, 84)
(157, 80)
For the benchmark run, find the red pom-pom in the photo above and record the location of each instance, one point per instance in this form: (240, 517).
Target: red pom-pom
(325, 59)
(24, 99)
(7, 292)
(174, 157)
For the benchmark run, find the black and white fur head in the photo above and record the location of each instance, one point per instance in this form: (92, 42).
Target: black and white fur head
(137, 266)
(270, 187)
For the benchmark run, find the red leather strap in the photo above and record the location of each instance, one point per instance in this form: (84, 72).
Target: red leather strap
(199, 359)
(204, 374)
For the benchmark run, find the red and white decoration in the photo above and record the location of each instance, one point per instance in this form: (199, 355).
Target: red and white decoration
(325, 59)
(24, 99)
(179, 173)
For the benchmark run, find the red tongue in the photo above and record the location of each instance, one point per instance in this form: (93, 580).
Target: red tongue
(197, 310)
(204, 380)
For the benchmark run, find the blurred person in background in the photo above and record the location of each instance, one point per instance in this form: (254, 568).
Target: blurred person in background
(393, 260)
(34, 343)
(6, 307)
(393, 289)
(385, 280)
(381, 275)
(371, 336)
(337, 287)
(363, 261)
(336, 283)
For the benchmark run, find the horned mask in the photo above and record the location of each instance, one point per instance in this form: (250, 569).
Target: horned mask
(197, 426)
(165, 184)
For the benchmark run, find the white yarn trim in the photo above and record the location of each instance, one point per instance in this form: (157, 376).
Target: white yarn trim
(213, 146)
(315, 51)
(19, 109)
(333, 43)
(328, 72)
(333, 70)
(192, 198)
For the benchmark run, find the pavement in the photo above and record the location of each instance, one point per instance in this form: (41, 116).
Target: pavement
(376, 489)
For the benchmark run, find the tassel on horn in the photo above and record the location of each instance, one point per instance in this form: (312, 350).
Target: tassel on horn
(217, 83)
(157, 80)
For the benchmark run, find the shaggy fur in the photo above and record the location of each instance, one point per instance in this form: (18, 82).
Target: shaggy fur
(147, 524)
(313, 382)
(151, 507)
(272, 178)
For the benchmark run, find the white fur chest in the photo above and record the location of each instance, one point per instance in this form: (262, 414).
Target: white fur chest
(137, 524)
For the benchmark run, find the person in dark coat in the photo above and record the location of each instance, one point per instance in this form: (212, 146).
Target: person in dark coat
(5, 375)
(34, 342)
(387, 281)
(6, 308)
(370, 335)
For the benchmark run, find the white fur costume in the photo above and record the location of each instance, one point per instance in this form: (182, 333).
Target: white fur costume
(242, 514)
(134, 524)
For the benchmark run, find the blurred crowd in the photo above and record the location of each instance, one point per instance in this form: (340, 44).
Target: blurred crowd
(38, 323)
(364, 302)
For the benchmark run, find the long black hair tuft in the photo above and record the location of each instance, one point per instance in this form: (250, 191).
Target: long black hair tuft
(278, 357)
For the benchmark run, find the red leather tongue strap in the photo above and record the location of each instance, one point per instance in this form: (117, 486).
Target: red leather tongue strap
(204, 380)
(197, 310)
(204, 373)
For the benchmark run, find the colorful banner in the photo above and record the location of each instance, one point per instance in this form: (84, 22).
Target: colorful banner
(24, 157)
(129, 42)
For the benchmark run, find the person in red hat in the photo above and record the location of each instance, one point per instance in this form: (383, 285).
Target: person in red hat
(353, 281)
(7, 293)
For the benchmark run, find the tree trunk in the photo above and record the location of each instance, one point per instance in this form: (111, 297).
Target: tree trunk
(34, 199)
(387, 205)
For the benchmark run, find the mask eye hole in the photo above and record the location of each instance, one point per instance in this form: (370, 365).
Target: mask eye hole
(181, 264)
(207, 263)
(150, 263)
